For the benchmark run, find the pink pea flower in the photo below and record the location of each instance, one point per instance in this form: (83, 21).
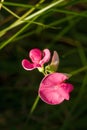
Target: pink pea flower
(38, 58)
(53, 89)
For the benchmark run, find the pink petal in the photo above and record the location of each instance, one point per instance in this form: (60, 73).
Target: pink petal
(67, 87)
(46, 56)
(53, 79)
(52, 90)
(50, 97)
(61, 91)
(27, 65)
(35, 55)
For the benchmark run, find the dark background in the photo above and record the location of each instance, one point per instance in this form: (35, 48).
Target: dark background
(62, 28)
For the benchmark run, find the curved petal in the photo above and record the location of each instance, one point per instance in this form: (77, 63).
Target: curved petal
(53, 79)
(50, 90)
(67, 87)
(35, 55)
(50, 97)
(46, 56)
(61, 91)
(27, 65)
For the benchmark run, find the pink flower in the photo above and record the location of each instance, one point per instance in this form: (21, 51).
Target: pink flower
(53, 89)
(38, 58)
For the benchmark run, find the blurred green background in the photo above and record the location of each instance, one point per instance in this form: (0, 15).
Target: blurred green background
(62, 27)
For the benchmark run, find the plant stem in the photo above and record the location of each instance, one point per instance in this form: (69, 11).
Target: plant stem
(34, 105)
(38, 13)
(78, 71)
(11, 12)
(32, 109)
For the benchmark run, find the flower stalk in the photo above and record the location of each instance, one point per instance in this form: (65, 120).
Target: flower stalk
(78, 71)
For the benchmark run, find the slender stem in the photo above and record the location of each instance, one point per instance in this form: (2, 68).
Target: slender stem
(32, 109)
(34, 105)
(11, 12)
(19, 22)
(78, 71)
(3, 44)
(1, 3)
(37, 98)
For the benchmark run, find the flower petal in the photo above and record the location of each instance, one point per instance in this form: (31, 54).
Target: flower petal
(27, 65)
(53, 79)
(50, 97)
(46, 56)
(52, 89)
(35, 55)
(61, 91)
(67, 87)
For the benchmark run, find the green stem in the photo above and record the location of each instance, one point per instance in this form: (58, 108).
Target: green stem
(38, 13)
(78, 71)
(37, 99)
(32, 109)
(11, 12)
(34, 105)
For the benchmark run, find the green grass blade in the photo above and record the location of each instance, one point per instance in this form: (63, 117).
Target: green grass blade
(15, 24)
